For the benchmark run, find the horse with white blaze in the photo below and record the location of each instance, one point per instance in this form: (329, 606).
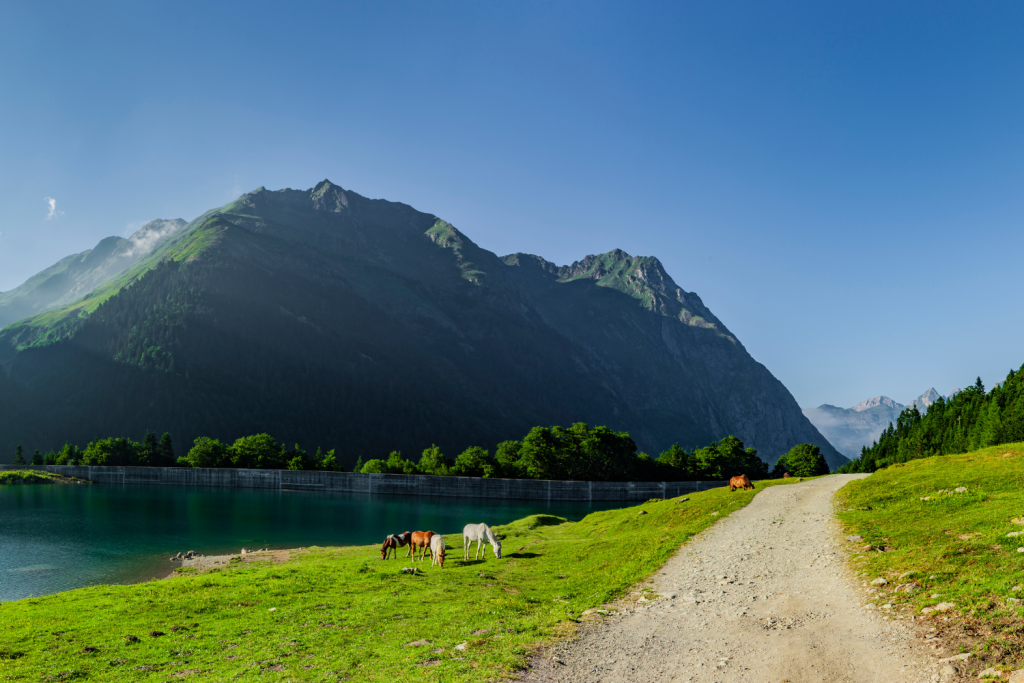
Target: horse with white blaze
(481, 533)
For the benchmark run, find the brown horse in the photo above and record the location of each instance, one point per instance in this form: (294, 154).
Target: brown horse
(787, 475)
(420, 540)
(394, 542)
(740, 482)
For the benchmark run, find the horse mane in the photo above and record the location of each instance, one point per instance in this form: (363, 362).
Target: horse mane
(490, 535)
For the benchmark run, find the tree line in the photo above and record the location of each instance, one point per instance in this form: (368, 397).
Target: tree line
(575, 453)
(974, 418)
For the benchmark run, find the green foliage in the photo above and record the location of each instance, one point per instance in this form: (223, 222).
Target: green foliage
(374, 466)
(577, 453)
(727, 458)
(803, 460)
(259, 451)
(19, 459)
(37, 457)
(206, 452)
(508, 456)
(474, 462)
(970, 420)
(112, 453)
(433, 462)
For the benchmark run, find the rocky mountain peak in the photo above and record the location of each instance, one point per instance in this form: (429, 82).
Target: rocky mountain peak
(877, 401)
(327, 196)
(926, 399)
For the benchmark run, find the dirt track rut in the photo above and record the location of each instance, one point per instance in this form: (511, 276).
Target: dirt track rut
(762, 596)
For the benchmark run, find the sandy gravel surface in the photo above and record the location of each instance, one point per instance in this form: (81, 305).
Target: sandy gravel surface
(763, 595)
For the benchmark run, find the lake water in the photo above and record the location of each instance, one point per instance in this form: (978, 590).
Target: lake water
(58, 537)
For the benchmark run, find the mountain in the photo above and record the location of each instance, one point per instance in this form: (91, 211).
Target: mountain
(328, 319)
(926, 399)
(848, 429)
(73, 277)
(870, 403)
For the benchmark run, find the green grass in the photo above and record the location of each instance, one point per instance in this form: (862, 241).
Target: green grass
(343, 614)
(956, 543)
(13, 477)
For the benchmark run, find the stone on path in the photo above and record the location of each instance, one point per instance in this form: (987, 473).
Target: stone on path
(990, 672)
(879, 582)
(962, 657)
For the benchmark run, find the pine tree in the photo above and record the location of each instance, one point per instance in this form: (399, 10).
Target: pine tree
(19, 459)
(166, 450)
(37, 458)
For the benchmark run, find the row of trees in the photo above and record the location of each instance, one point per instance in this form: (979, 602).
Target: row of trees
(599, 454)
(112, 451)
(974, 418)
(578, 453)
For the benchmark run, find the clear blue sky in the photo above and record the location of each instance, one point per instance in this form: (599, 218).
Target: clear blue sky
(840, 182)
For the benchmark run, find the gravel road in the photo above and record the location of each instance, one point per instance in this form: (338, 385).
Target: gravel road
(764, 595)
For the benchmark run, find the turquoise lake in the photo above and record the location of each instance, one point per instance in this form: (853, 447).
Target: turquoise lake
(58, 537)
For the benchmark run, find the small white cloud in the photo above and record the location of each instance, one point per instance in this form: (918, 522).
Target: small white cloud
(53, 213)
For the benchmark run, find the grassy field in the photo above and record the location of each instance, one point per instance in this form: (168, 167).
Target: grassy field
(34, 477)
(957, 544)
(344, 614)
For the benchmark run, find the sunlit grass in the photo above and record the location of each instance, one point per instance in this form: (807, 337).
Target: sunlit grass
(343, 613)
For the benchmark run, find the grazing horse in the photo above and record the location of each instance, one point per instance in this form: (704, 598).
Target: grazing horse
(437, 548)
(481, 533)
(420, 540)
(740, 482)
(394, 542)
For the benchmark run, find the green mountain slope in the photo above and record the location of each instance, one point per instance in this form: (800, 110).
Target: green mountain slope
(78, 275)
(330, 319)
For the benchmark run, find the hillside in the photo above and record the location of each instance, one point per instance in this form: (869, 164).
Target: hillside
(950, 530)
(77, 275)
(329, 319)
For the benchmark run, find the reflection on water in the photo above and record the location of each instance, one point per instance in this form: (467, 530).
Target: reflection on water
(54, 538)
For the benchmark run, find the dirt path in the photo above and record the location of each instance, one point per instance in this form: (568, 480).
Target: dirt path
(763, 596)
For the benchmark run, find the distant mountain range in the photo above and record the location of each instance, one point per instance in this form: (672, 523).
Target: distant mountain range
(848, 429)
(328, 319)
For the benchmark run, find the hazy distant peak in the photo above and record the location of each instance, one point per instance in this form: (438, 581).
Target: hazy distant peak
(926, 399)
(877, 401)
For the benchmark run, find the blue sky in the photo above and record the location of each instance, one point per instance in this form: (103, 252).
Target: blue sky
(840, 182)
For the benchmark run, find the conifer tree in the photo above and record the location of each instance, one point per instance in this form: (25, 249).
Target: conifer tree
(19, 459)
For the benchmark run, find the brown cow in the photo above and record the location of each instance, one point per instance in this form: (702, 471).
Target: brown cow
(740, 482)
(394, 542)
(421, 540)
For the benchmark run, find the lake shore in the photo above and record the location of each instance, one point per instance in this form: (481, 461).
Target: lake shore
(343, 612)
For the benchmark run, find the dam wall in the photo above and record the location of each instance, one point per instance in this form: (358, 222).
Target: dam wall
(387, 484)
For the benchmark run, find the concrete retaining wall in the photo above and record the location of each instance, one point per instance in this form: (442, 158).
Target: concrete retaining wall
(391, 484)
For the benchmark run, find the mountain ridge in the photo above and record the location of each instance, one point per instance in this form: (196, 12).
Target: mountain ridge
(77, 275)
(390, 318)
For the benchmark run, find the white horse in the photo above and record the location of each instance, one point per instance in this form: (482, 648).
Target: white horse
(481, 533)
(437, 548)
